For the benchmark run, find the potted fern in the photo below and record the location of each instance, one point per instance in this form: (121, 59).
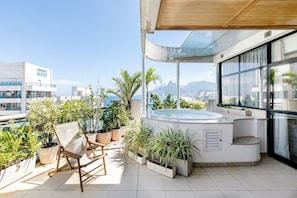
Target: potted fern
(135, 142)
(173, 148)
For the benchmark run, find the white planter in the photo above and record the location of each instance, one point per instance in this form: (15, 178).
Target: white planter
(139, 159)
(48, 155)
(92, 137)
(184, 167)
(169, 172)
(17, 171)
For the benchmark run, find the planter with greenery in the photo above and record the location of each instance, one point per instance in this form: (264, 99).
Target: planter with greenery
(119, 117)
(104, 135)
(18, 149)
(170, 146)
(136, 140)
(43, 114)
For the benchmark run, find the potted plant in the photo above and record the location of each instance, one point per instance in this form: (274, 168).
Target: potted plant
(118, 117)
(104, 135)
(135, 141)
(43, 114)
(169, 147)
(18, 149)
(91, 109)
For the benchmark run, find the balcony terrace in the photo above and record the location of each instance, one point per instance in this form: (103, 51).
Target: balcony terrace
(126, 178)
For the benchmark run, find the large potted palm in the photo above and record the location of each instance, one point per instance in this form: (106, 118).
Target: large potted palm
(43, 114)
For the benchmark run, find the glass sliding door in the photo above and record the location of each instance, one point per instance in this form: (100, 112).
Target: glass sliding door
(285, 135)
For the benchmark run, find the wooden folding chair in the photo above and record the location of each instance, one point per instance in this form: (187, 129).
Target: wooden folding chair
(74, 145)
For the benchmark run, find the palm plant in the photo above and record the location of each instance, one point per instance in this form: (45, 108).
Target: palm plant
(150, 77)
(126, 87)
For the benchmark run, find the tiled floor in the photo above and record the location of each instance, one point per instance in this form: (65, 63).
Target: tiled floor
(126, 179)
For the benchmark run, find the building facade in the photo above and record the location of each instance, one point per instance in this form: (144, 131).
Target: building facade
(20, 83)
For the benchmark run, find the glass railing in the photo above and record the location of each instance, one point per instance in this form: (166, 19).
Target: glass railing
(40, 84)
(9, 83)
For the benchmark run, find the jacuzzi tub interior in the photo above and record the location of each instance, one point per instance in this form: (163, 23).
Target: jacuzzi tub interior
(183, 115)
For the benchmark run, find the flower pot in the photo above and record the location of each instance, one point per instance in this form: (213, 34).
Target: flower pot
(104, 138)
(116, 134)
(16, 171)
(138, 158)
(183, 167)
(167, 171)
(48, 155)
(92, 137)
(123, 130)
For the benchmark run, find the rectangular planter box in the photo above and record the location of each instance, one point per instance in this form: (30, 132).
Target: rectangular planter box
(139, 159)
(17, 171)
(184, 167)
(169, 172)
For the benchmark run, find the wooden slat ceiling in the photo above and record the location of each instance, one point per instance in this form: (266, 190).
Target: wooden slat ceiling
(227, 14)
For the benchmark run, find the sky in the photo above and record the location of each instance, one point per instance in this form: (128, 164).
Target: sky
(86, 42)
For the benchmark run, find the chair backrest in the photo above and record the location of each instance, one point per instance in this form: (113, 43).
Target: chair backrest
(71, 138)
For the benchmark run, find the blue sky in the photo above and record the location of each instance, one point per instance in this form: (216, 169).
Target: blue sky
(84, 41)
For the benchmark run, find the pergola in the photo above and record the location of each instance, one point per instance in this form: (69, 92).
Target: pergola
(216, 25)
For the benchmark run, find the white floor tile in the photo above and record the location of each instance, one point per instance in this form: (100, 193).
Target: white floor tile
(178, 183)
(179, 194)
(150, 194)
(148, 182)
(209, 194)
(226, 182)
(201, 182)
(122, 194)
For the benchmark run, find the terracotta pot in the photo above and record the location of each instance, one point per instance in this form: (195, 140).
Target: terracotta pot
(104, 138)
(116, 134)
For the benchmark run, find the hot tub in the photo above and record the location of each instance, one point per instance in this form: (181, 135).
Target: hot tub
(213, 132)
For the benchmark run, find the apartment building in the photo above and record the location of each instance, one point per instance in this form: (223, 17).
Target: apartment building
(20, 83)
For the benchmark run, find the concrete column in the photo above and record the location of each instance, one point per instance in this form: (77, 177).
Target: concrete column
(144, 113)
(177, 86)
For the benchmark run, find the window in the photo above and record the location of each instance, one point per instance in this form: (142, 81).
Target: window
(41, 72)
(243, 79)
(283, 86)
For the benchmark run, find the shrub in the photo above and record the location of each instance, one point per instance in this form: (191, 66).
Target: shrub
(170, 145)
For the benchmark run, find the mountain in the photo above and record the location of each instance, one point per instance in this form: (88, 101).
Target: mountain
(192, 89)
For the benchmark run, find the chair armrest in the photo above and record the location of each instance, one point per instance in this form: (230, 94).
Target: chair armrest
(69, 154)
(97, 144)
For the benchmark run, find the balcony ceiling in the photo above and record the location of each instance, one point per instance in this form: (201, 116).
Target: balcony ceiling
(226, 14)
(222, 19)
